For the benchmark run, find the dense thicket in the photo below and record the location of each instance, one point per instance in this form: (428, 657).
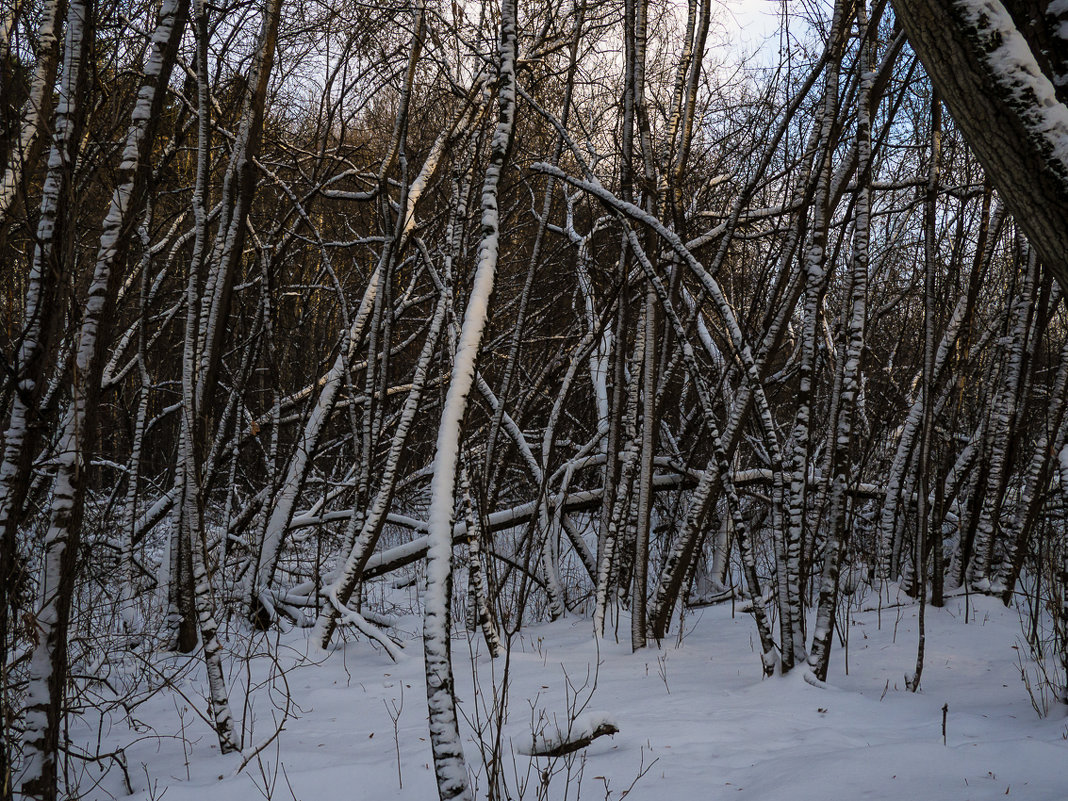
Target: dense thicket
(557, 308)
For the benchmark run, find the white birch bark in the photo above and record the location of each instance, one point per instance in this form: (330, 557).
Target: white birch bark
(903, 454)
(609, 546)
(1005, 105)
(47, 273)
(372, 522)
(841, 460)
(1020, 525)
(238, 191)
(129, 516)
(800, 440)
(479, 603)
(449, 767)
(190, 524)
(281, 513)
(1004, 416)
(48, 664)
(33, 124)
(718, 467)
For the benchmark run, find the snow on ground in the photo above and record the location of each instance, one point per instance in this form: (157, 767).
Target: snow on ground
(695, 717)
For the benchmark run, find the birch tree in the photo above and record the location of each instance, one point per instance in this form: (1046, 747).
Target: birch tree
(49, 663)
(449, 764)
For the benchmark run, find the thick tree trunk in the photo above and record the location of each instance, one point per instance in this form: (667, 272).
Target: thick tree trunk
(1007, 107)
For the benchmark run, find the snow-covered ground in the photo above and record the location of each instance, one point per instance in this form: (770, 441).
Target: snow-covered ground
(695, 719)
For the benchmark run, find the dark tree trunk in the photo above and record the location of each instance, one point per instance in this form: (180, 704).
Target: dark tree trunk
(1008, 109)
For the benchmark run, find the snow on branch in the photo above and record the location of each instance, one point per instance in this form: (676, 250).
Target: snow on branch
(554, 741)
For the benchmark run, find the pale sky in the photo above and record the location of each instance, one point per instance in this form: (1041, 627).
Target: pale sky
(755, 19)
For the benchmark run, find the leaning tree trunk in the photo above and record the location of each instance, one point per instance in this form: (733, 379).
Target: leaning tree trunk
(449, 767)
(1007, 107)
(340, 590)
(48, 666)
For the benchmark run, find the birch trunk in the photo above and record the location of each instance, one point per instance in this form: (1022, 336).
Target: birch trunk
(1004, 414)
(841, 460)
(451, 772)
(815, 286)
(48, 665)
(373, 521)
(33, 124)
(1021, 526)
(49, 270)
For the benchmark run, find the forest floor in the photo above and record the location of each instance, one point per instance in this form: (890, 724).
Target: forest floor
(695, 719)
